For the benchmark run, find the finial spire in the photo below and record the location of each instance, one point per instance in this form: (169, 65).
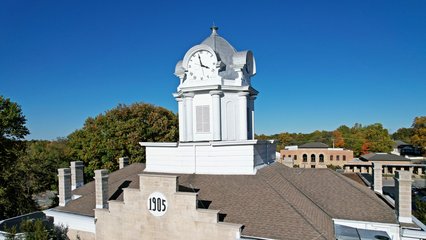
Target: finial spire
(214, 29)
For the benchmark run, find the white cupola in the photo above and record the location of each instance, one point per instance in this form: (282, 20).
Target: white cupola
(215, 97)
(216, 115)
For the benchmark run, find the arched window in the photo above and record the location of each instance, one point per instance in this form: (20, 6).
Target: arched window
(344, 157)
(331, 157)
(313, 158)
(321, 158)
(337, 157)
(305, 157)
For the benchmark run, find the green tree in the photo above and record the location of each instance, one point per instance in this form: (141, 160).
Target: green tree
(403, 134)
(12, 121)
(15, 197)
(419, 132)
(284, 139)
(420, 210)
(37, 230)
(41, 160)
(116, 133)
(378, 138)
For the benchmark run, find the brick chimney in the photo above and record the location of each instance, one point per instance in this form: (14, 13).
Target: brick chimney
(101, 188)
(403, 196)
(377, 177)
(124, 161)
(64, 179)
(77, 178)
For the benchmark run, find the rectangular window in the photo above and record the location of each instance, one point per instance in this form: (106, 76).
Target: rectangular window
(295, 157)
(331, 157)
(338, 157)
(203, 118)
(344, 157)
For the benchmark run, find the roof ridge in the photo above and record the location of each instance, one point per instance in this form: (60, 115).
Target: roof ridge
(310, 199)
(303, 216)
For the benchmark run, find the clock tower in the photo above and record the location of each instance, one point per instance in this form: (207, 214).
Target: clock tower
(216, 114)
(215, 97)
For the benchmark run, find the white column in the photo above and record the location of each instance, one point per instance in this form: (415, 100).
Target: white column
(216, 110)
(182, 123)
(242, 133)
(252, 98)
(188, 116)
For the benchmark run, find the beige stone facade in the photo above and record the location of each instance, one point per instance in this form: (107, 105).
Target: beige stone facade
(180, 219)
(317, 157)
(403, 197)
(80, 235)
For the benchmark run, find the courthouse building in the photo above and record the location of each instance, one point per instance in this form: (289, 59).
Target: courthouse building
(315, 155)
(218, 181)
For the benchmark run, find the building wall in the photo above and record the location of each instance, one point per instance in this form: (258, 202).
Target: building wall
(79, 226)
(233, 157)
(179, 217)
(77, 235)
(331, 157)
(393, 230)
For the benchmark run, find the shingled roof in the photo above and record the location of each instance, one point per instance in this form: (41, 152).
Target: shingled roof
(314, 145)
(398, 143)
(383, 157)
(278, 202)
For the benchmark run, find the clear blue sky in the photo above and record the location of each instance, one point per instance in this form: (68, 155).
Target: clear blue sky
(320, 64)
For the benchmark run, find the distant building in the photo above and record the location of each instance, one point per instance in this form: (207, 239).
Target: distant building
(315, 155)
(390, 164)
(406, 149)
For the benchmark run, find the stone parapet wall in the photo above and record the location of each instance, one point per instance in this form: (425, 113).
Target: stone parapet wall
(171, 215)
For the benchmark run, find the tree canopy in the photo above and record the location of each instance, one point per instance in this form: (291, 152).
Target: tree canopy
(419, 132)
(12, 121)
(415, 135)
(403, 134)
(105, 138)
(41, 159)
(360, 139)
(15, 197)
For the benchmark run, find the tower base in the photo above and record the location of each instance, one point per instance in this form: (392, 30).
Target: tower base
(222, 157)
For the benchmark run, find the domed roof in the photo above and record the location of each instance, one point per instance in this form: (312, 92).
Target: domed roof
(220, 46)
(223, 49)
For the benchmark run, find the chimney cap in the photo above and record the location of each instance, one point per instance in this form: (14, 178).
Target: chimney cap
(403, 175)
(64, 170)
(77, 164)
(101, 172)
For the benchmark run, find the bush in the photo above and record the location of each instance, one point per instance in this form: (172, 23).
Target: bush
(334, 167)
(37, 230)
